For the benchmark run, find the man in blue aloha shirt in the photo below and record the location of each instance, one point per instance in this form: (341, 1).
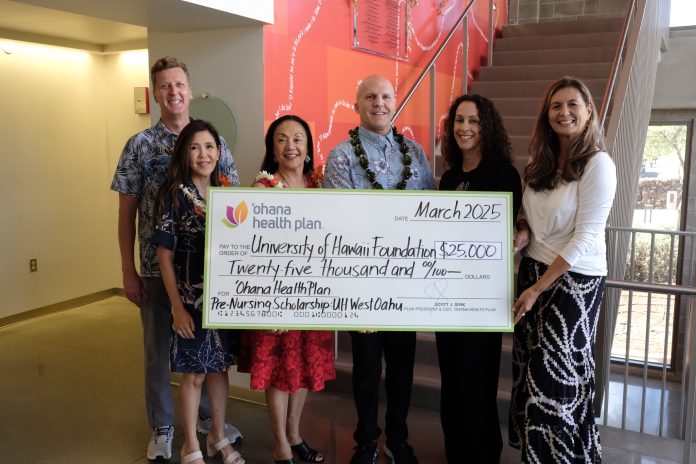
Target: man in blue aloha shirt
(377, 156)
(141, 170)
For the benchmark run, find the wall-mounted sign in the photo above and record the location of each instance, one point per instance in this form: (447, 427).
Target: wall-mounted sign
(381, 27)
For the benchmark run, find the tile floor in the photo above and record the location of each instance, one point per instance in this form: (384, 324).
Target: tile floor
(71, 392)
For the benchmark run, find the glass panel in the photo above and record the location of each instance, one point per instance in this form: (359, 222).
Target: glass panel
(658, 202)
(217, 112)
(653, 256)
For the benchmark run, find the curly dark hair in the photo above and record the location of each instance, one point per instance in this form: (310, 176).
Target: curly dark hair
(495, 143)
(542, 171)
(180, 167)
(269, 163)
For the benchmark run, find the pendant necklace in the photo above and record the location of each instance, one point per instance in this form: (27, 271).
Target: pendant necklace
(282, 177)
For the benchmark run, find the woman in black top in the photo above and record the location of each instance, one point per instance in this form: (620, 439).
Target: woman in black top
(477, 150)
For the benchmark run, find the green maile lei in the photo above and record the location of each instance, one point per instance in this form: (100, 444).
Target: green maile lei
(369, 173)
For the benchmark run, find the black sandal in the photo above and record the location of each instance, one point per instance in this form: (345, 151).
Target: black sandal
(306, 453)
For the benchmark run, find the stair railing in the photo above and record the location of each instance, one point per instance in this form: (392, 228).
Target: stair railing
(616, 65)
(431, 63)
(430, 69)
(626, 114)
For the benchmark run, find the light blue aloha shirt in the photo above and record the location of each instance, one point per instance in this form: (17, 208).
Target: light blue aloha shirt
(343, 169)
(141, 170)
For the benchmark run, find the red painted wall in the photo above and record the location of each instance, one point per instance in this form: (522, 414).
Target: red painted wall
(312, 70)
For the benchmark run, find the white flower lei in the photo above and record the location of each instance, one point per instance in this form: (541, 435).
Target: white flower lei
(275, 182)
(193, 198)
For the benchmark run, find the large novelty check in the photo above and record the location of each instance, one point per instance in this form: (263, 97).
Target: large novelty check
(356, 259)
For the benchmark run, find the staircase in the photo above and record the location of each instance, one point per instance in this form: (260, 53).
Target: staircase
(529, 57)
(526, 60)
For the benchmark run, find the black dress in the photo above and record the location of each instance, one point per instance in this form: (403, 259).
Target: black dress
(470, 361)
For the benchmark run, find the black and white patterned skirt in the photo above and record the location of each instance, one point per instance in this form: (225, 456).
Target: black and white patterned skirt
(551, 411)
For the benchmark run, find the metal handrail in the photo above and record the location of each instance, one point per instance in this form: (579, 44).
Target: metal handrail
(651, 287)
(609, 90)
(688, 405)
(682, 233)
(426, 70)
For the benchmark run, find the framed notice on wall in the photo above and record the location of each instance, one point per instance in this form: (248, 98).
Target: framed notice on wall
(358, 259)
(381, 27)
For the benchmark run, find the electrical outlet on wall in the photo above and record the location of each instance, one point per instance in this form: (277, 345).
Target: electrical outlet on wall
(33, 265)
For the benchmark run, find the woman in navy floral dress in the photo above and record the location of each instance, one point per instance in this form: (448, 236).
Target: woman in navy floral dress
(200, 354)
(288, 363)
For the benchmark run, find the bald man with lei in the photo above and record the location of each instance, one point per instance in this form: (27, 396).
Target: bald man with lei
(377, 156)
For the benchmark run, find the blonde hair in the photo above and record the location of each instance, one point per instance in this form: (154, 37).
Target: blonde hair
(167, 62)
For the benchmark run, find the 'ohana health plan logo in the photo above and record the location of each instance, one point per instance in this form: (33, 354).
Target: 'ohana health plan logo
(236, 215)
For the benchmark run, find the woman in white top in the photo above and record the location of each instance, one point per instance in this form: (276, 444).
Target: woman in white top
(570, 185)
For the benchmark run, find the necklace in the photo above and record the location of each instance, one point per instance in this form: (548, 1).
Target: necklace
(369, 173)
(288, 183)
(198, 205)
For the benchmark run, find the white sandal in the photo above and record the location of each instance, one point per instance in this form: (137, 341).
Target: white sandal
(232, 458)
(195, 456)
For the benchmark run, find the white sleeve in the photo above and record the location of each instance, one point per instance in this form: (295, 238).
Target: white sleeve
(596, 191)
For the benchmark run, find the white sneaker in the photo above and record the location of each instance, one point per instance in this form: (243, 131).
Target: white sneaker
(161, 443)
(231, 432)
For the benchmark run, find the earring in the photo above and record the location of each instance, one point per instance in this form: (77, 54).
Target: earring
(308, 159)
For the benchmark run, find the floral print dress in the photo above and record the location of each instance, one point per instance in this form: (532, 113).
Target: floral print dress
(181, 228)
(288, 360)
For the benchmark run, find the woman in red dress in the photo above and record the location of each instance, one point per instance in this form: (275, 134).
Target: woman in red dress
(288, 363)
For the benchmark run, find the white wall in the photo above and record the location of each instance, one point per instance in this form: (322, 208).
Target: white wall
(66, 117)
(676, 74)
(261, 10)
(65, 112)
(227, 64)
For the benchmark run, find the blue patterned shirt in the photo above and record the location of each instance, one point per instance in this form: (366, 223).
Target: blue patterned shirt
(343, 169)
(141, 170)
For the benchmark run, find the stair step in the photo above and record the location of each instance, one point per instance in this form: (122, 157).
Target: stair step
(519, 125)
(527, 88)
(604, 39)
(514, 106)
(554, 56)
(520, 161)
(520, 149)
(545, 72)
(580, 26)
(526, 106)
